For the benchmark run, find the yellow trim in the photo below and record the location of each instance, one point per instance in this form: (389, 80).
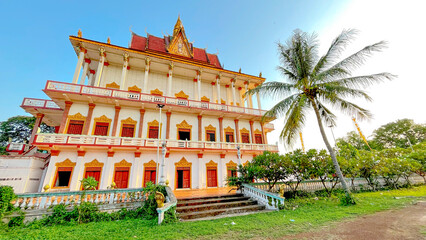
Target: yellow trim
(183, 125)
(112, 85)
(122, 163)
(257, 131)
(101, 119)
(184, 164)
(150, 164)
(145, 53)
(245, 131)
(154, 123)
(211, 166)
(205, 99)
(128, 121)
(245, 164)
(156, 92)
(93, 163)
(181, 94)
(65, 163)
(78, 117)
(231, 164)
(210, 128)
(134, 88)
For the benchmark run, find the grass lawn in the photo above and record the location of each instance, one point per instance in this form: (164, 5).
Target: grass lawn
(309, 215)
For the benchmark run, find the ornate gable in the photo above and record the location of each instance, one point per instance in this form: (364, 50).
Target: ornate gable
(113, 85)
(244, 130)
(211, 164)
(77, 116)
(103, 118)
(123, 163)
(183, 125)
(181, 94)
(179, 44)
(183, 163)
(128, 120)
(231, 164)
(94, 163)
(65, 163)
(150, 164)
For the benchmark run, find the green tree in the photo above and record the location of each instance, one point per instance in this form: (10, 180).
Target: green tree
(322, 168)
(316, 83)
(268, 167)
(419, 156)
(368, 162)
(396, 134)
(89, 183)
(348, 157)
(297, 166)
(19, 128)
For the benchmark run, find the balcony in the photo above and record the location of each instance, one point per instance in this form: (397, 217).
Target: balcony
(101, 141)
(39, 103)
(108, 93)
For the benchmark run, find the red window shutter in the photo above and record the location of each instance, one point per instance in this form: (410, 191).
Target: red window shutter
(128, 130)
(245, 138)
(230, 137)
(153, 132)
(75, 127)
(186, 179)
(147, 178)
(258, 138)
(153, 176)
(101, 129)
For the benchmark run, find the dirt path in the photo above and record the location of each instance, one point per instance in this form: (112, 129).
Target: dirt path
(398, 224)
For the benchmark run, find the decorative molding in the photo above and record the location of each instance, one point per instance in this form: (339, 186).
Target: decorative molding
(228, 129)
(129, 120)
(123, 163)
(183, 163)
(157, 92)
(65, 163)
(211, 164)
(154, 123)
(245, 164)
(150, 164)
(205, 99)
(94, 163)
(113, 85)
(134, 88)
(210, 128)
(181, 94)
(222, 101)
(257, 131)
(77, 116)
(184, 124)
(231, 164)
(103, 118)
(244, 130)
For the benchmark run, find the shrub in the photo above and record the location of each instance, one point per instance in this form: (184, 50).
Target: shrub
(149, 207)
(6, 196)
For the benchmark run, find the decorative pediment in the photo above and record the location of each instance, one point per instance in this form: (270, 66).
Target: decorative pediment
(154, 123)
(257, 131)
(157, 92)
(65, 163)
(244, 130)
(245, 164)
(123, 163)
(184, 124)
(150, 164)
(179, 44)
(222, 101)
(231, 164)
(94, 163)
(229, 129)
(181, 94)
(134, 89)
(205, 99)
(210, 128)
(113, 85)
(211, 164)
(103, 118)
(128, 120)
(77, 116)
(183, 163)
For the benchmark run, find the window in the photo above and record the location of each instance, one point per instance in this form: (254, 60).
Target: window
(101, 129)
(75, 127)
(232, 172)
(63, 177)
(184, 134)
(94, 172)
(153, 132)
(183, 177)
(128, 130)
(150, 175)
(245, 138)
(258, 138)
(121, 177)
(229, 136)
(210, 136)
(211, 177)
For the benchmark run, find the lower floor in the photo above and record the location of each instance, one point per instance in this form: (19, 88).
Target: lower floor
(121, 169)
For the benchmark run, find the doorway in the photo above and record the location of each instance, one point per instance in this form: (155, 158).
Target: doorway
(121, 177)
(184, 134)
(183, 179)
(211, 177)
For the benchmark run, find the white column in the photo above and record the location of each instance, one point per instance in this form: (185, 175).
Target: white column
(85, 69)
(228, 95)
(201, 170)
(91, 79)
(145, 80)
(247, 97)
(234, 99)
(214, 95)
(250, 101)
(194, 87)
(258, 101)
(100, 67)
(220, 172)
(240, 92)
(77, 174)
(199, 85)
(124, 71)
(169, 80)
(219, 100)
(106, 178)
(79, 64)
(50, 173)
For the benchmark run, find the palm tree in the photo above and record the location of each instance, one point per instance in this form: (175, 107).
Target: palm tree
(316, 83)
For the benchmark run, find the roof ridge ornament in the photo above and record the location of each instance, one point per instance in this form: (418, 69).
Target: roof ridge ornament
(179, 44)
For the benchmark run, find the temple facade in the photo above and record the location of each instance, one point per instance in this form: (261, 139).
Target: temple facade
(158, 110)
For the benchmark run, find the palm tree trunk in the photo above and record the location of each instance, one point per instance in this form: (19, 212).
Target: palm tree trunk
(330, 150)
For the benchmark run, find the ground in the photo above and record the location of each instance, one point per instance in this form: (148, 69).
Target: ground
(406, 223)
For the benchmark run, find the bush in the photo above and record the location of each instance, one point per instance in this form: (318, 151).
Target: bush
(149, 207)
(6, 196)
(17, 221)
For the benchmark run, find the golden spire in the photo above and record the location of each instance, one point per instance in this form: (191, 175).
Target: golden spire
(109, 41)
(178, 26)
(79, 34)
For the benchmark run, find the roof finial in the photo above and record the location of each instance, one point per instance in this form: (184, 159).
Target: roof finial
(109, 40)
(239, 71)
(79, 34)
(260, 74)
(178, 26)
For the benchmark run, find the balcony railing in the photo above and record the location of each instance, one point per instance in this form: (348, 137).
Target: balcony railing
(107, 92)
(69, 139)
(39, 103)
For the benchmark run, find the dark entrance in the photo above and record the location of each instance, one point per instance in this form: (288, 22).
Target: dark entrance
(183, 179)
(184, 134)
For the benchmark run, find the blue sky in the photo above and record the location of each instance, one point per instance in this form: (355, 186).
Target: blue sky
(34, 45)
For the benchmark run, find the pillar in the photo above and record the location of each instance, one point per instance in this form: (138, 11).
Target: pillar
(145, 80)
(200, 130)
(250, 101)
(237, 131)
(91, 80)
(228, 95)
(124, 71)
(168, 115)
(214, 95)
(114, 126)
(142, 114)
(195, 89)
(264, 140)
(100, 67)
(201, 169)
(169, 80)
(65, 116)
(246, 83)
(221, 129)
(79, 65)
(240, 92)
(85, 69)
(234, 99)
(51, 170)
(77, 175)
(88, 119)
(219, 99)
(220, 173)
(137, 171)
(252, 132)
(39, 119)
(199, 84)
(107, 177)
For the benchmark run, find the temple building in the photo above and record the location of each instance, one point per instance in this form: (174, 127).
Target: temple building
(158, 110)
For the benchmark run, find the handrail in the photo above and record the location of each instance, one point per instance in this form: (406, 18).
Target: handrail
(270, 200)
(65, 193)
(168, 205)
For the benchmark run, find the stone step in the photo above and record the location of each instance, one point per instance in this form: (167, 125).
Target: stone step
(228, 215)
(210, 197)
(222, 211)
(209, 201)
(211, 206)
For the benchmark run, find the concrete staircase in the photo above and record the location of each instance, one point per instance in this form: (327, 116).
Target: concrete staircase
(212, 207)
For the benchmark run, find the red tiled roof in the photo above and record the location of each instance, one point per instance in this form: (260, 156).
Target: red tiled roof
(138, 42)
(156, 44)
(200, 54)
(213, 59)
